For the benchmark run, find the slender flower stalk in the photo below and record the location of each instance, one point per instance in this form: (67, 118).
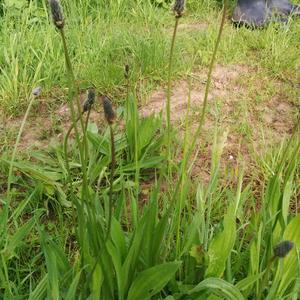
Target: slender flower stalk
(209, 79)
(126, 75)
(87, 106)
(127, 118)
(67, 136)
(59, 22)
(82, 146)
(201, 121)
(208, 84)
(72, 94)
(110, 118)
(178, 11)
(126, 72)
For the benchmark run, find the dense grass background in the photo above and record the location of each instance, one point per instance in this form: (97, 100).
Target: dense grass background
(103, 36)
(173, 235)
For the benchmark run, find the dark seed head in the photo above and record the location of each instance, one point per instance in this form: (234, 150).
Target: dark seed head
(108, 110)
(126, 72)
(90, 100)
(57, 15)
(282, 249)
(179, 8)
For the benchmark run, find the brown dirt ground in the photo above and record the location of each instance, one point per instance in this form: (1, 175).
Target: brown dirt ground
(252, 125)
(44, 127)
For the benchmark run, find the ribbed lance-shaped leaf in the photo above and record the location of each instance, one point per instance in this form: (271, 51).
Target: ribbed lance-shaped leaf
(151, 281)
(117, 263)
(192, 230)
(149, 230)
(159, 235)
(129, 266)
(218, 287)
(97, 283)
(151, 162)
(57, 265)
(221, 246)
(248, 282)
(132, 127)
(118, 238)
(53, 272)
(47, 176)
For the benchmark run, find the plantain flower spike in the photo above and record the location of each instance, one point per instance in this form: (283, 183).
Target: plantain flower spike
(282, 249)
(126, 71)
(90, 100)
(57, 14)
(179, 8)
(108, 110)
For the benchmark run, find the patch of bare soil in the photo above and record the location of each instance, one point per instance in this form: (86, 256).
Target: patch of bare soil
(252, 125)
(44, 127)
(223, 86)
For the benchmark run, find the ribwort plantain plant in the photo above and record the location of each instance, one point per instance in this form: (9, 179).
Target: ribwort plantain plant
(59, 22)
(83, 202)
(110, 118)
(178, 11)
